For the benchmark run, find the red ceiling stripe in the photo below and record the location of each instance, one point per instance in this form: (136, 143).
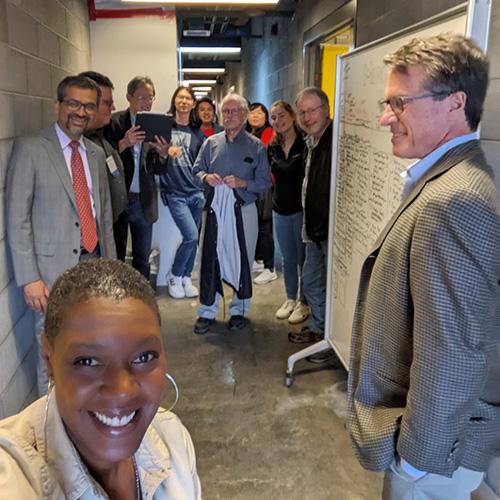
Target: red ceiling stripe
(95, 13)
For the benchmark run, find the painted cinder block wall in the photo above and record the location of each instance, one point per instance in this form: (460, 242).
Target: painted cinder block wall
(41, 42)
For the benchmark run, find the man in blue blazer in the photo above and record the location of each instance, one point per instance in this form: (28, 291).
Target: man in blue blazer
(423, 405)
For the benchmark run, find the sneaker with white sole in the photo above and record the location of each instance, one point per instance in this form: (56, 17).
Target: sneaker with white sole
(174, 286)
(300, 313)
(265, 277)
(190, 290)
(258, 266)
(286, 309)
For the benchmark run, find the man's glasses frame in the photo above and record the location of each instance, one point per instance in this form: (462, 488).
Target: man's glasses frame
(74, 105)
(310, 111)
(397, 103)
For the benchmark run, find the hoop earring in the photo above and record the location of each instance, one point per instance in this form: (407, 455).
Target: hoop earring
(50, 387)
(176, 388)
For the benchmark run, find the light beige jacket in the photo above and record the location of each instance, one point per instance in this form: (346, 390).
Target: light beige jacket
(39, 461)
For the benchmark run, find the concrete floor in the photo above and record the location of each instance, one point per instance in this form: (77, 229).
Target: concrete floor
(254, 437)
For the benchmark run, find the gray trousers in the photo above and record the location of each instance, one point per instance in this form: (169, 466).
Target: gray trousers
(399, 485)
(238, 307)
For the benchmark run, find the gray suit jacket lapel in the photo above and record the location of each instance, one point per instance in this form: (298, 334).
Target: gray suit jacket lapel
(448, 160)
(58, 162)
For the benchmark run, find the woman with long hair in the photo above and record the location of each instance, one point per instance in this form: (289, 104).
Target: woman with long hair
(286, 159)
(259, 126)
(182, 191)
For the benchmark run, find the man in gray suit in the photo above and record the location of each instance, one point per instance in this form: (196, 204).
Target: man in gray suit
(58, 201)
(423, 405)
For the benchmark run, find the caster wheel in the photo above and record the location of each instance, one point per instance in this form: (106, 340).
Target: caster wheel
(288, 381)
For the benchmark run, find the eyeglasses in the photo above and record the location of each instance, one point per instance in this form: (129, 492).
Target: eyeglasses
(231, 112)
(145, 98)
(310, 111)
(184, 98)
(397, 103)
(74, 105)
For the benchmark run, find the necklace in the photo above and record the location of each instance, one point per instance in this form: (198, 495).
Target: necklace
(138, 489)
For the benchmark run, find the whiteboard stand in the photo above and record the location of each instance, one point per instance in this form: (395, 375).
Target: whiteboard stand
(322, 345)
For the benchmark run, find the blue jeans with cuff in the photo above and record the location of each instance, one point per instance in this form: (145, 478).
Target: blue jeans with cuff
(186, 212)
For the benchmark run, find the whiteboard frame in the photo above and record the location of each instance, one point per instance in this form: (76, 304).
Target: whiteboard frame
(478, 13)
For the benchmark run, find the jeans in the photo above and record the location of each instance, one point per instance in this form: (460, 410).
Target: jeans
(141, 232)
(186, 212)
(288, 232)
(314, 282)
(238, 307)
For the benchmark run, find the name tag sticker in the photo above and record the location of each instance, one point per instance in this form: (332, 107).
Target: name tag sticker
(113, 169)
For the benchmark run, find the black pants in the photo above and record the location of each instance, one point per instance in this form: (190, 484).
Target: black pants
(265, 244)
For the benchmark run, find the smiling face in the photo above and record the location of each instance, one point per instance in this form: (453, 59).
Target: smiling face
(281, 120)
(74, 123)
(184, 102)
(108, 366)
(142, 99)
(233, 116)
(314, 115)
(424, 124)
(206, 114)
(257, 118)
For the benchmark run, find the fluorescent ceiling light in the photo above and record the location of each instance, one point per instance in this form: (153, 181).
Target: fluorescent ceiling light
(208, 2)
(198, 82)
(210, 50)
(202, 89)
(200, 94)
(212, 71)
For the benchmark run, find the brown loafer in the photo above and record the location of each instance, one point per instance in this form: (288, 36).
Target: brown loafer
(305, 336)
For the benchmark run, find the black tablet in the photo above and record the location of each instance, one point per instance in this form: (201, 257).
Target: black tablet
(155, 124)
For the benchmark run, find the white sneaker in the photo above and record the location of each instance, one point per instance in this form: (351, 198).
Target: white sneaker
(189, 289)
(175, 288)
(300, 313)
(286, 309)
(258, 266)
(265, 277)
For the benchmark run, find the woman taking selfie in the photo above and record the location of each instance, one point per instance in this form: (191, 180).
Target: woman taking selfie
(285, 154)
(99, 433)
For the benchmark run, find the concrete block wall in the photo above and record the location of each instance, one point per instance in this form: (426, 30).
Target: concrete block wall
(272, 66)
(41, 41)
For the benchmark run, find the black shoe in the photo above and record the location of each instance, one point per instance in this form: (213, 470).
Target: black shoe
(327, 356)
(202, 325)
(237, 322)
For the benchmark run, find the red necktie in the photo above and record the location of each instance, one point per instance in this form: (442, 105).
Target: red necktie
(87, 221)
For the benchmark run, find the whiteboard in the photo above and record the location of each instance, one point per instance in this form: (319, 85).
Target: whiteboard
(366, 185)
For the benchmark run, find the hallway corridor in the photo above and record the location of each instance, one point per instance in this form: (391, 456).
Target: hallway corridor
(255, 438)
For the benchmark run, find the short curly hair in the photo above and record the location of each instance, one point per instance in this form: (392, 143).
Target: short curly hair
(106, 278)
(452, 63)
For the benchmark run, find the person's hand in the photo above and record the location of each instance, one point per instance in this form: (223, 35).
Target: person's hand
(35, 295)
(234, 182)
(213, 180)
(133, 135)
(161, 146)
